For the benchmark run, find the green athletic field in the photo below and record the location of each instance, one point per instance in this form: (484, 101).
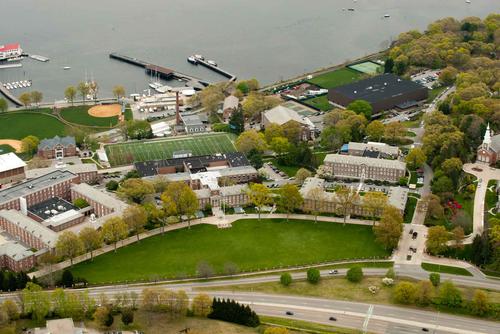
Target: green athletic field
(17, 125)
(79, 115)
(249, 244)
(336, 78)
(367, 67)
(126, 153)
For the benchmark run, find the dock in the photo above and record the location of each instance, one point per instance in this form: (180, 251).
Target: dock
(217, 69)
(10, 96)
(40, 58)
(162, 72)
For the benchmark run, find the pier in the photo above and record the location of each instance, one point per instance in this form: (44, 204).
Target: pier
(162, 72)
(10, 96)
(217, 69)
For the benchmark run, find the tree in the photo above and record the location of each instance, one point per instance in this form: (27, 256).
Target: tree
(103, 316)
(250, 140)
(259, 195)
(118, 91)
(301, 175)
(424, 293)
(346, 198)
(237, 122)
(11, 309)
(435, 278)
(292, 130)
(135, 217)
(3, 105)
(332, 138)
(272, 131)
(442, 186)
(114, 230)
(290, 199)
(437, 237)
(49, 259)
(25, 99)
(361, 107)
(69, 245)
(449, 295)
(286, 279)
(136, 190)
(29, 144)
(91, 240)
(168, 210)
(188, 203)
(202, 305)
(316, 200)
(67, 278)
(70, 93)
(35, 301)
(388, 65)
(479, 304)
(432, 204)
(256, 103)
(84, 89)
(458, 236)
(255, 158)
(374, 203)
(390, 227)
(36, 97)
(211, 97)
(138, 129)
(394, 131)
(313, 275)
(448, 75)
(452, 168)
(404, 292)
(127, 316)
(355, 274)
(415, 158)
(204, 269)
(375, 130)
(280, 145)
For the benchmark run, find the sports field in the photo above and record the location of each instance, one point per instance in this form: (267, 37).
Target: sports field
(126, 153)
(336, 78)
(249, 244)
(367, 67)
(80, 115)
(17, 125)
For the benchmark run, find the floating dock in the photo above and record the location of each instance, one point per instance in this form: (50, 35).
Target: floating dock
(40, 58)
(9, 95)
(162, 72)
(215, 68)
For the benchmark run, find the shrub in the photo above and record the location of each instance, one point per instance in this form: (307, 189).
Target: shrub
(313, 275)
(449, 295)
(388, 281)
(103, 316)
(404, 292)
(435, 278)
(231, 311)
(355, 274)
(127, 316)
(390, 273)
(286, 279)
(67, 279)
(80, 203)
(112, 185)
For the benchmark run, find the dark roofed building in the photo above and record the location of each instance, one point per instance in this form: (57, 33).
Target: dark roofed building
(57, 147)
(383, 92)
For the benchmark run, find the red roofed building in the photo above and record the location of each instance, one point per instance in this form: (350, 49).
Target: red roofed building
(10, 51)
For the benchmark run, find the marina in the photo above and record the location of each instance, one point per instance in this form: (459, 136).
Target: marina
(9, 95)
(17, 84)
(210, 64)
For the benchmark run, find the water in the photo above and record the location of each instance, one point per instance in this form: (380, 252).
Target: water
(269, 40)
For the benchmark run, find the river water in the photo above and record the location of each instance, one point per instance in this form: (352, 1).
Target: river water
(266, 39)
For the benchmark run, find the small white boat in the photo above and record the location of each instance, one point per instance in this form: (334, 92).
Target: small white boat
(192, 60)
(66, 68)
(387, 16)
(467, 1)
(350, 9)
(200, 57)
(211, 62)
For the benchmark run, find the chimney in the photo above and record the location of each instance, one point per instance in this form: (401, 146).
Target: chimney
(177, 114)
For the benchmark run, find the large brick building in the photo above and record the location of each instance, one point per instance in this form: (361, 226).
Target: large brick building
(12, 168)
(57, 147)
(489, 150)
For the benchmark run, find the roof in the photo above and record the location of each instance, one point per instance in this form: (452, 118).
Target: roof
(99, 196)
(357, 160)
(378, 88)
(36, 184)
(76, 169)
(159, 69)
(191, 120)
(231, 102)
(48, 144)
(495, 143)
(374, 146)
(31, 226)
(51, 208)
(13, 248)
(234, 190)
(10, 161)
(397, 197)
(281, 115)
(9, 47)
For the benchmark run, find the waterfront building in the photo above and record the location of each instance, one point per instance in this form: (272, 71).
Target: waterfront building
(10, 51)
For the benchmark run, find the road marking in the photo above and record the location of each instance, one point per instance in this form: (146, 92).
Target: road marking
(367, 319)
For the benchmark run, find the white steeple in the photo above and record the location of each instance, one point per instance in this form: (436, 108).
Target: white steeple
(487, 137)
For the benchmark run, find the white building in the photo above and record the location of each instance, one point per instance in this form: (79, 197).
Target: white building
(10, 51)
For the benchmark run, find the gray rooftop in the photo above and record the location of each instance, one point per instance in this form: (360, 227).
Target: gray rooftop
(231, 102)
(53, 142)
(76, 169)
(25, 188)
(375, 146)
(99, 196)
(191, 120)
(31, 226)
(356, 160)
(15, 250)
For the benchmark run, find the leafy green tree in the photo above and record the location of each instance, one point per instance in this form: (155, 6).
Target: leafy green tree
(135, 217)
(251, 140)
(35, 301)
(437, 237)
(290, 199)
(29, 144)
(313, 275)
(404, 292)
(388, 65)
(346, 198)
(390, 227)
(91, 240)
(69, 245)
(70, 93)
(449, 295)
(113, 230)
(280, 145)
(394, 131)
(301, 175)
(138, 129)
(80, 203)
(136, 190)
(259, 195)
(361, 107)
(286, 279)
(211, 97)
(127, 316)
(3, 105)
(375, 130)
(355, 274)
(237, 122)
(11, 309)
(272, 131)
(452, 168)
(435, 278)
(25, 99)
(332, 138)
(112, 185)
(424, 293)
(36, 97)
(442, 186)
(84, 89)
(415, 158)
(292, 130)
(479, 304)
(67, 278)
(374, 202)
(118, 91)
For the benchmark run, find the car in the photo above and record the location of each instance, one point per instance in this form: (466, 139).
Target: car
(477, 169)
(408, 257)
(333, 272)
(425, 329)
(415, 235)
(289, 313)
(411, 231)
(332, 319)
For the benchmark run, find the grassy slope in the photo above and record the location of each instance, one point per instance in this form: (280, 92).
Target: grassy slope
(250, 244)
(411, 204)
(445, 269)
(19, 125)
(336, 78)
(80, 115)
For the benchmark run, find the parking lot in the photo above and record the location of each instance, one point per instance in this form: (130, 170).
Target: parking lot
(426, 78)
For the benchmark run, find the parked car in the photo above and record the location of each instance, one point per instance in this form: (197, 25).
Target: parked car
(332, 319)
(411, 231)
(415, 235)
(333, 272)
(289, 313)
(425, 329)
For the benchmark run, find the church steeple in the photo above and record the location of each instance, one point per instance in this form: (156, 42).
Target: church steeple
(487, 137)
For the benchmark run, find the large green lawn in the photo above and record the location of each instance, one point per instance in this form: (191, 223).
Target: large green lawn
(79, 115)
(126, 153)
(320, 102)
(250, 244)
(17, 125)
(336, 78)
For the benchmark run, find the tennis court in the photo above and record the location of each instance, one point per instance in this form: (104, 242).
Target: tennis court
(367, 67)
(127, 153)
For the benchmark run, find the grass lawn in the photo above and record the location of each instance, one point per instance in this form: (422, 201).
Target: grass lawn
(445, 269)
(308, 327)
(412, 124)
(129, 115)
(411, 204)
(250, 244)
(126, 153)
(491, 198)
(336, 78)
(413, 177)
(433, 93)
(6, 149)
(320, 102)
(80, 115)
(289, 170)
(17, 125)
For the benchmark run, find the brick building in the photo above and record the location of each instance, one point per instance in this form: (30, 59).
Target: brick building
(490, 148)
(57, 147)
(12, 168)
(282, 115)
